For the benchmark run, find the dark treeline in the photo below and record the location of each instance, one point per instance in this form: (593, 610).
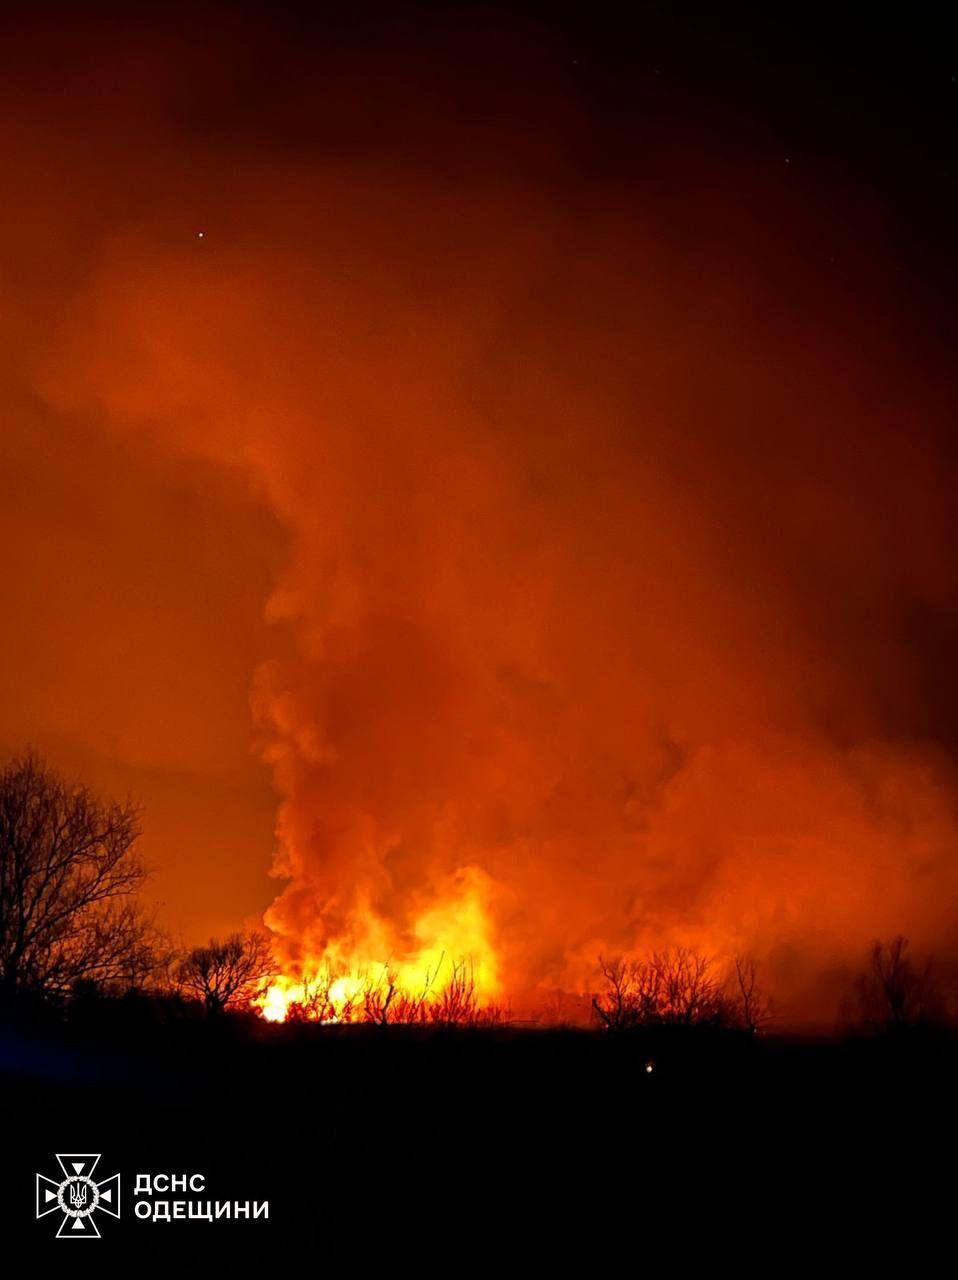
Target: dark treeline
(432, 1139)
(75, 937)
(74, 933)
(413, 1142)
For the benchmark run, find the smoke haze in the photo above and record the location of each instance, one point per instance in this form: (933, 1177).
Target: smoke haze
(566, 487)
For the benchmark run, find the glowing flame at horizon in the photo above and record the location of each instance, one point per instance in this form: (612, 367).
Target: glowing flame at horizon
(568, 517)
(452, 968)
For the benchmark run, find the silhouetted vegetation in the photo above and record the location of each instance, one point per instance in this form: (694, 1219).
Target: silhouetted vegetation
(679, 987)
(69, 874)
(317, 1003)
(898, 992)
(752, 1004)
(227, 974)
(352, 1132)
(314, 1112)
(74, 934)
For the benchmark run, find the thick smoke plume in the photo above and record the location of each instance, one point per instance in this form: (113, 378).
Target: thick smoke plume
(617, 519)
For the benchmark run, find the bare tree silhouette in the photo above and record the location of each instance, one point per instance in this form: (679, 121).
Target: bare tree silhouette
(678, 986)
(317, 1003)
(386, 1001)
(754, 1008)
(413, 1007)
(895, 992)
(378, 997)
(456, 1003)
(630, 995)
(68, 875)
(689, 990)
(227, 974)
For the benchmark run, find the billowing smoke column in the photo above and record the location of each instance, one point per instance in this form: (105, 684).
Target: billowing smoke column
(612, 523)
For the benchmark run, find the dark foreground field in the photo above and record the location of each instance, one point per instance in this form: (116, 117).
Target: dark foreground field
(505, 1146)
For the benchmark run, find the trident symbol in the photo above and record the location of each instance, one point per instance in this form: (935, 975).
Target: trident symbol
(78, 1195)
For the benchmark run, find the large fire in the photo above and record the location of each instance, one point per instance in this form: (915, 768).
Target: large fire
(448, 973)
(592, 532)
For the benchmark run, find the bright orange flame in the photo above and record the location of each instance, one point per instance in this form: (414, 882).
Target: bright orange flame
(450, 975)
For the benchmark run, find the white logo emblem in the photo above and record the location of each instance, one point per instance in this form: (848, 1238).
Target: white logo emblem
(78, 1197)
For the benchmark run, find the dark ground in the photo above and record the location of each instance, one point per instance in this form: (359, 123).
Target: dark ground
(451, 1148)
